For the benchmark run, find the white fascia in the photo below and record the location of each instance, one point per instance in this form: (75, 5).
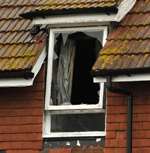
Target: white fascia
(21, 82)
(125, 78)
(67, 20)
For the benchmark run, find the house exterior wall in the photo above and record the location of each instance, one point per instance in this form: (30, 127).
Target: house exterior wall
(21, 114)
(116, 138)
(21, 121)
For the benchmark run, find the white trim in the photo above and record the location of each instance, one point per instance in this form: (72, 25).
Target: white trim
(101, 94)
(50, 59)
(124, 8)
(21, 82)
(76, 111)
(36, 68)
(75, 134)
(65, 20)
(47, 123)
(73, 107)
(49, 69)
(125, 78)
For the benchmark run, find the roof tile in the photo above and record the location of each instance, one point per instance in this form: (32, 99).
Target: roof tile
(59, 5)
(128, 46)
(18, 49)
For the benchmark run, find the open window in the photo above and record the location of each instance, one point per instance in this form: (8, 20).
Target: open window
(75, 105)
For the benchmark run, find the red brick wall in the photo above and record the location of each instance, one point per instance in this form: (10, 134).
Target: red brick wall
(117, 120)
(21, 112)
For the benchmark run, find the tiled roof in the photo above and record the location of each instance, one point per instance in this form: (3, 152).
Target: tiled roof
(67, 4)
(18, 49)
(51, 7)
(128, 46)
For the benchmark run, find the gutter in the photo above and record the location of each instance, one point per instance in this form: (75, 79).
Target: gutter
(129, 95)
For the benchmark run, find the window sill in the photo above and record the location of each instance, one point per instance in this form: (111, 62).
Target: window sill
(75, 134)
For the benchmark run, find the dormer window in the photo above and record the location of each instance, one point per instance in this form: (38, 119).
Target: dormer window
(75, 105)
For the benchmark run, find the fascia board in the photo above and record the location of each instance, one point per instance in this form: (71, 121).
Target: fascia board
(125, 78)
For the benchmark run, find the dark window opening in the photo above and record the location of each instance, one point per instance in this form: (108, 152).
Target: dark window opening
(72, 82)
(77, 122)
(83, 88)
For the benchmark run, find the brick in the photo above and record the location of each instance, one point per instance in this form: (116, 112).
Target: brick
(141, 126)
(116, 101)
(116, 118)
(112, 94)
(117, 109)
(20, 137)
(24, 120)
(111, 134)
(117, 143)
(141, 142)
(21, 115)
(21, 129)
(115, 150)
(141, 117)
(30, 145)
(23, 151)
(121, 135)
(116, 126)
(21, 112)
(144, 109)
(142, 134)
(141, 150)
(140, 100)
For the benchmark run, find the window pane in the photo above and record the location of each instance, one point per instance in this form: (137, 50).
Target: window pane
(77, 122)
(73, 58)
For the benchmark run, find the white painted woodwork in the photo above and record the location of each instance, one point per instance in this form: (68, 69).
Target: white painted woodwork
(69, 109)
(125, 78)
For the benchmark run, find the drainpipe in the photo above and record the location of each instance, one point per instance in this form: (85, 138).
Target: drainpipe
(130, 110)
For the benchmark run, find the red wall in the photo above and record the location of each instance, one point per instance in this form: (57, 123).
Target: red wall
(21, 112)
(21, 115)
(117, 120)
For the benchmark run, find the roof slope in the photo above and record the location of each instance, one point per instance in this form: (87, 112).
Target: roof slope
(18, 49)
(68, 4)
(59, 7)
(128, 47)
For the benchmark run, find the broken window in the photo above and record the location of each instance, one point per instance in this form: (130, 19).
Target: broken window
(74, 102)
(72, 82)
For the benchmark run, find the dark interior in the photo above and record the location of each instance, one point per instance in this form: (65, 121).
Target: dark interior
(83, 88)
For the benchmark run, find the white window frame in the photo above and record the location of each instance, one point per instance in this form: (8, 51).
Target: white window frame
(70, 109)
